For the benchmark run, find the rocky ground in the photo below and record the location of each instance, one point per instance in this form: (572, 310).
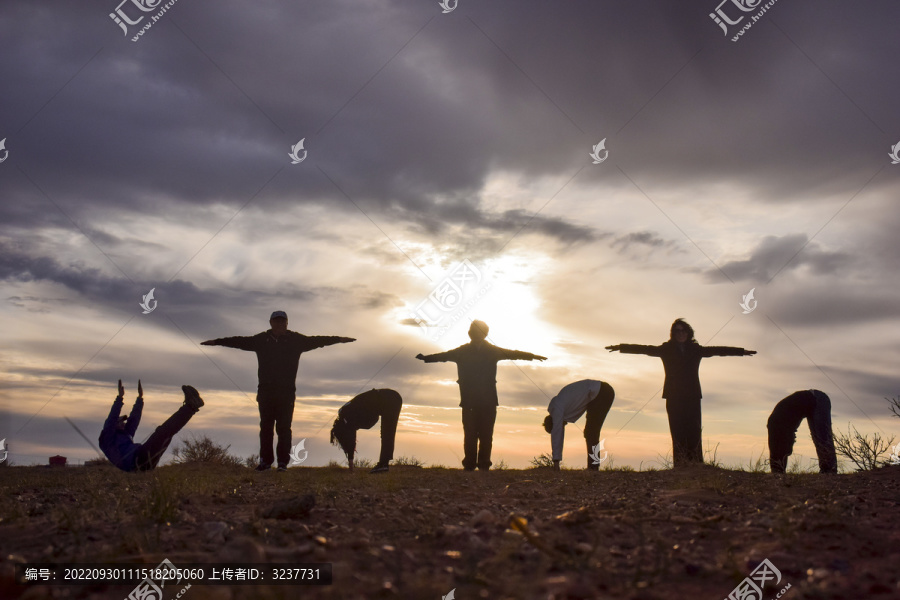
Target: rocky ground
(422, 532)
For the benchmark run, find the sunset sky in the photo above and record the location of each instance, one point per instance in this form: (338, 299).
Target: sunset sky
(434, 139)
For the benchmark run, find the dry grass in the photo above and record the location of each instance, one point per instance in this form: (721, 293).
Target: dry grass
(419, 532)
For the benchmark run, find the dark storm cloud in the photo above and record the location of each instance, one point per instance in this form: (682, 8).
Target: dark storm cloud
(196, 310)
(645, 239)
(474, 91)
(824, 305)
(786, 253)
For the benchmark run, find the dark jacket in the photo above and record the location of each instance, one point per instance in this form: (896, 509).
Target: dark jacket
(364, 410)
(278, 357)
(790, 412)
(682, 364)
(119, 446)
(476, 366)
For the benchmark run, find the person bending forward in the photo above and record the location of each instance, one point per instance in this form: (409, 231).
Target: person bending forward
(362, 412)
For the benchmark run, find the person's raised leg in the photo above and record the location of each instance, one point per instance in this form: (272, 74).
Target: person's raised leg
(148, 455)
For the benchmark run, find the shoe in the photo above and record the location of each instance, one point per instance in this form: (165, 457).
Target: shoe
(262, 467)
(468, 468)
(282, 468)
(192, 397)
(379, 469)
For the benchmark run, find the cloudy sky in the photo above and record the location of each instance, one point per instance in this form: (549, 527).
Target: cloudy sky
(432, 139)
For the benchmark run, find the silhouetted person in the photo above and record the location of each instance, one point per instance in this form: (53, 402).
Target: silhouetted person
(362, 412)
(815, 407)
(681, 356)
(476, 364)
(117, 437)
(586, 396)
(278, 354)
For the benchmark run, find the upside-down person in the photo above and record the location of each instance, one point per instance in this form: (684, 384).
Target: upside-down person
(278, 355)
(362, 412)
(586, 396)
(815, 407)
(117, 437)
(476, 364)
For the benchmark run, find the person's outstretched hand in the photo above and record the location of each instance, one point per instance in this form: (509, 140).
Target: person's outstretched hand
(121, 390)
(140, 390)
(539, 357)
(207, 343)
(749, 352)
(346, 340)
(614, 348)
(420, 356)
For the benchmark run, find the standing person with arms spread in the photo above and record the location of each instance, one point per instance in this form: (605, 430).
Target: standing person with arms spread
(681, 356)
(586, 396)
(278, 354)
(117, 437)
(476, 364)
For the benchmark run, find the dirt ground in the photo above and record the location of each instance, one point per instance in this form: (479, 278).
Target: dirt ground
(422, 532)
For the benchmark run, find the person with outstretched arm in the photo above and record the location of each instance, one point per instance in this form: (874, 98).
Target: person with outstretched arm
(586, 396)
(117, 437)
(815, 407)
(476, 364)
(362, 412)
(278, 353)
(681, 356)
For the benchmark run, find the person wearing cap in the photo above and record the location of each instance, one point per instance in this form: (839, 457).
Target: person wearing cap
(815, 407)
(278, 353)
(476, 364)
(586, 396)
(117, 436)
(362, 412)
